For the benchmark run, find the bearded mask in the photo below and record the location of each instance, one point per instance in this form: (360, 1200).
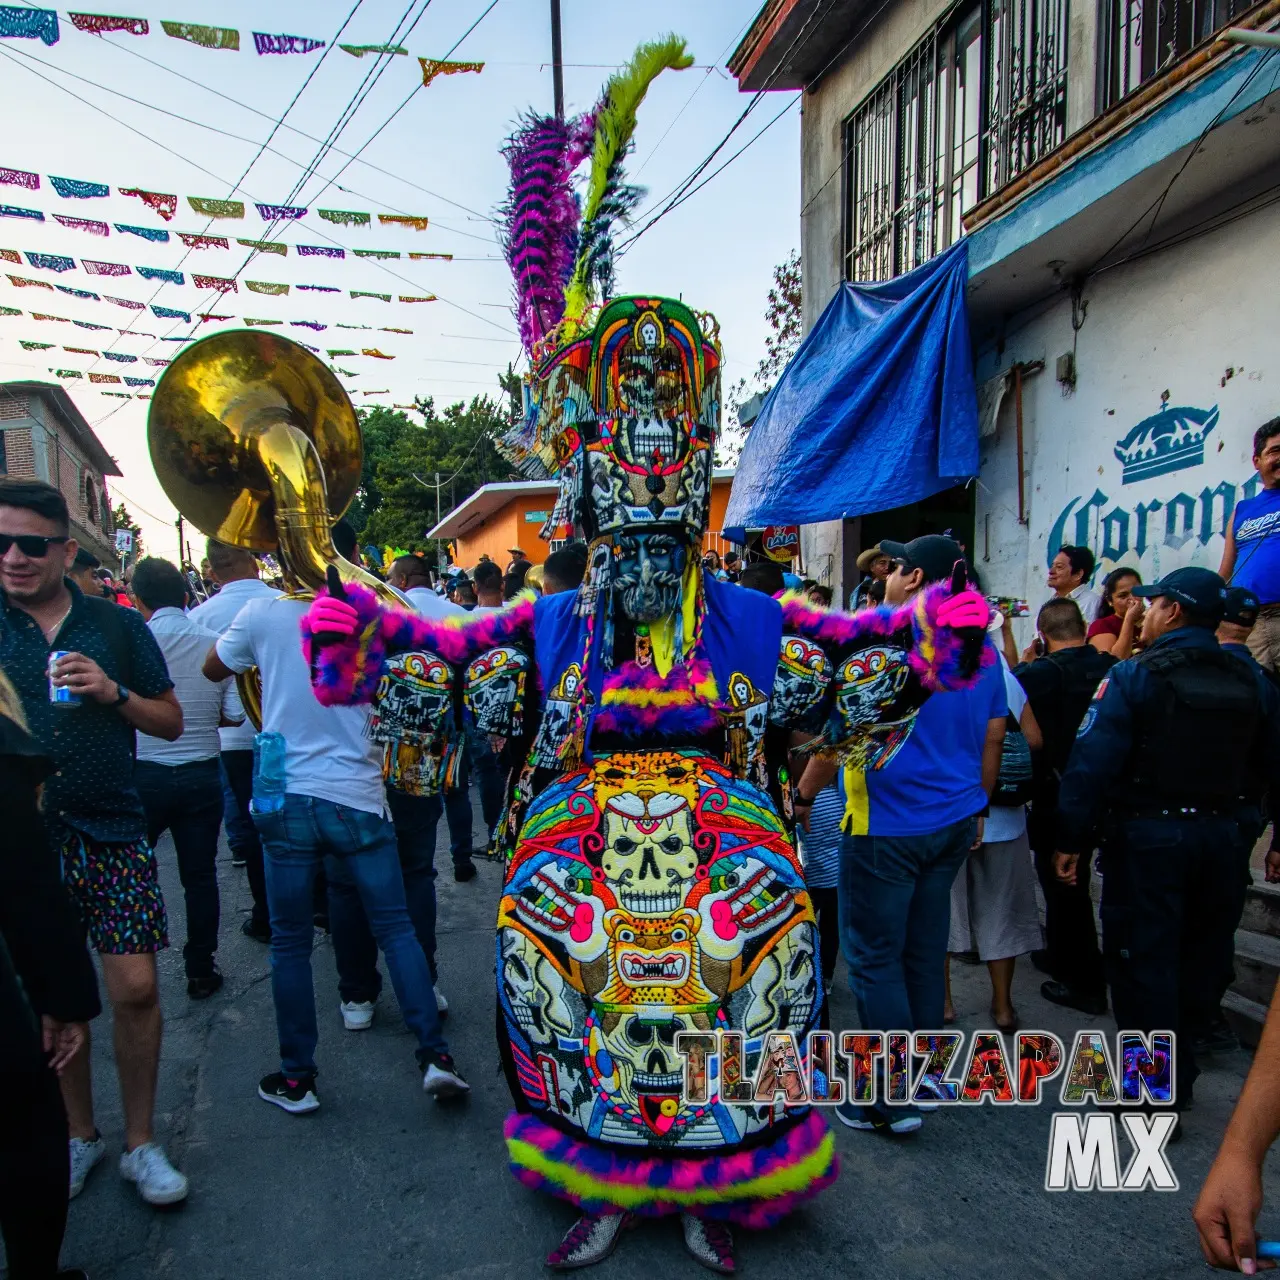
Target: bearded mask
(649, 573)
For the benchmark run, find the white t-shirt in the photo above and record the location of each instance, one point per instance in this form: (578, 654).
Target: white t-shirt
(431, 605)
(327, 754)
(1007, 822)
(185, 645)
(217, 613)
(1088, 600)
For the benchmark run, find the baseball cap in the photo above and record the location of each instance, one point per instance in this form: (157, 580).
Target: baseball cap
(1240, 606)
(934, 554)
(1198, 589)
(86, 559)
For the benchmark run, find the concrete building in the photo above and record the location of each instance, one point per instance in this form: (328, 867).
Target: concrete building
(1116, 168)
(45, 437)
(497, 517)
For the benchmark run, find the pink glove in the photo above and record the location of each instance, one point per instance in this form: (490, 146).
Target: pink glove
(964, 609)
(335, 616)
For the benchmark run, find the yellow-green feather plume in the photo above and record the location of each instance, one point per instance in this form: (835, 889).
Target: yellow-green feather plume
(607, 198)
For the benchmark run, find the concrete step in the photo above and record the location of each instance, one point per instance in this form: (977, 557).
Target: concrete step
(1257, 965)
(1245, 1016)
(1262, 908)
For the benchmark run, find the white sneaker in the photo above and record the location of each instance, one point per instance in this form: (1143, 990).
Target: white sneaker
(442, 1005)
(157, 1180)
(84, 1155)
(357, 1015)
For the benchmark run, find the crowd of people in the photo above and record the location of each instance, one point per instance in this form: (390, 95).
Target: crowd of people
(1071, 749)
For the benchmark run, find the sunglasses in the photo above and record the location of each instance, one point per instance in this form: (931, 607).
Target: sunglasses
(33, 545)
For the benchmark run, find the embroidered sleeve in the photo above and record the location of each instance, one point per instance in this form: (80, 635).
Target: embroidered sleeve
(349, 671)
(940, 657)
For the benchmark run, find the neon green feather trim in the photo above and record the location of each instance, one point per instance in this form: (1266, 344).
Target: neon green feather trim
(793, 1178)
(615, 125)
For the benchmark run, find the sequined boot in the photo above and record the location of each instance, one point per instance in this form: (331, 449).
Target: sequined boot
(710, 1242)
(590, 1240)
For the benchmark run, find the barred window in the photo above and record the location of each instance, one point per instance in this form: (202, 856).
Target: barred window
(1139, 38)
(981, 98)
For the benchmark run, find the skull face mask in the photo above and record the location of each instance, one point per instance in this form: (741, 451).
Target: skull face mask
(649, 574)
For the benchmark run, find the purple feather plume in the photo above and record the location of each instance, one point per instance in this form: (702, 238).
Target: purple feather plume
(541, 217)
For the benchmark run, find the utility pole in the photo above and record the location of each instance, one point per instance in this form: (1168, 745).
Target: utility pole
(180, 539)
(437, 497)
(557, 59)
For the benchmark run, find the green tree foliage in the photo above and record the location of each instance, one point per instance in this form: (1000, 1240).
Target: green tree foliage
(397, 501)
(121, 519)
(782, 311)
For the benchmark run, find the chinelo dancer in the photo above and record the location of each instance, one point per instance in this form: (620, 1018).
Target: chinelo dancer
(651, 880)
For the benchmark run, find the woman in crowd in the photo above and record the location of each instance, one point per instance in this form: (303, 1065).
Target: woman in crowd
(993, 898)
(47, 996)
(1120, 615)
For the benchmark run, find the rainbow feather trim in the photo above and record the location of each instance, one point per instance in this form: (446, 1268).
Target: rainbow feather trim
(944, 658)
(754, 1188)
(638, 701)
(348, 672)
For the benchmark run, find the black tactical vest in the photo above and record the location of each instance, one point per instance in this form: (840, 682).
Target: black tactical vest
(1194, 735)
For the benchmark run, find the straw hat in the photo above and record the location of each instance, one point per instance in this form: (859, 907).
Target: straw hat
(865, 559)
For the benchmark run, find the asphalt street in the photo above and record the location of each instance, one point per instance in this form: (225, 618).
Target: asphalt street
(383, 1182)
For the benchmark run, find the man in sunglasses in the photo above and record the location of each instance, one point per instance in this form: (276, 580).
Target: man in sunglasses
(115, 669)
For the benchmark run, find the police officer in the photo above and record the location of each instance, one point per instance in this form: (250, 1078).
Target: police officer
(1163, 757)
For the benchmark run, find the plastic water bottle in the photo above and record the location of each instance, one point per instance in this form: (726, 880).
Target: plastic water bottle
(268, 773)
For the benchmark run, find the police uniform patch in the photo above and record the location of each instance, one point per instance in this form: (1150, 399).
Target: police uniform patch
(1087, 723)
(1102, 688)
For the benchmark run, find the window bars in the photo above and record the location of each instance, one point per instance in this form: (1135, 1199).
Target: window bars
(978, 100)
(1139, 38)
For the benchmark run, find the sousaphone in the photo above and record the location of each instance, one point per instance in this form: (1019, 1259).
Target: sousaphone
(257, 444)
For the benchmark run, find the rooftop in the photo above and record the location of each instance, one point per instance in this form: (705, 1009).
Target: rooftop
(73, 420)
(491, 498)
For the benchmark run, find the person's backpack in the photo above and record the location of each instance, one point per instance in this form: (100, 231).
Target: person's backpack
(1014, 785)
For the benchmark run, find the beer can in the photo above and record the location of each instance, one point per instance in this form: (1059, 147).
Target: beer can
(59, 693)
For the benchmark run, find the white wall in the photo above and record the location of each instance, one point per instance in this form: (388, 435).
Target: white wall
(1197, 321)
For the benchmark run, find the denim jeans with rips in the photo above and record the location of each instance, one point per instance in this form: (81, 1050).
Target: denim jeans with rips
(295, 840)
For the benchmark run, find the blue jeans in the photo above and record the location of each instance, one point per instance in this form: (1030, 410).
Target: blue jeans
(895, 912)
(186, 799)
(354, 949)
(295, 839)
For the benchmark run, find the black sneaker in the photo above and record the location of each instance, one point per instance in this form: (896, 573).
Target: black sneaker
(295, 1094)
(898, 1121)
(1069, 997)
(203, 988)
(1218, 1037)
(464, 870)
(237, 860)
(440, 1076)
(258, 931)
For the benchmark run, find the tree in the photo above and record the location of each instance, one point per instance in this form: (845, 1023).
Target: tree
(121, 519)
(399, 500)
(783, 314)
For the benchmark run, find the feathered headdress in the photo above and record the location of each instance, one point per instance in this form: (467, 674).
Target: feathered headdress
(560, 246)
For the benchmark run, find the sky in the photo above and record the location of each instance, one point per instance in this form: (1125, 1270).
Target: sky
(161, 114)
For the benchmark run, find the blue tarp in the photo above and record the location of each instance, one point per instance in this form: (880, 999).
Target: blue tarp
(877, 408)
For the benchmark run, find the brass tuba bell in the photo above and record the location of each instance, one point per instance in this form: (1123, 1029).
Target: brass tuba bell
(257, 444)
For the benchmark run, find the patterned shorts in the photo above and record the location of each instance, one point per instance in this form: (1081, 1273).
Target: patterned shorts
(115, 889)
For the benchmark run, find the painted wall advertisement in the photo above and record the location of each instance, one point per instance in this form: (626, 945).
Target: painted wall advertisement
(1174, 497)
